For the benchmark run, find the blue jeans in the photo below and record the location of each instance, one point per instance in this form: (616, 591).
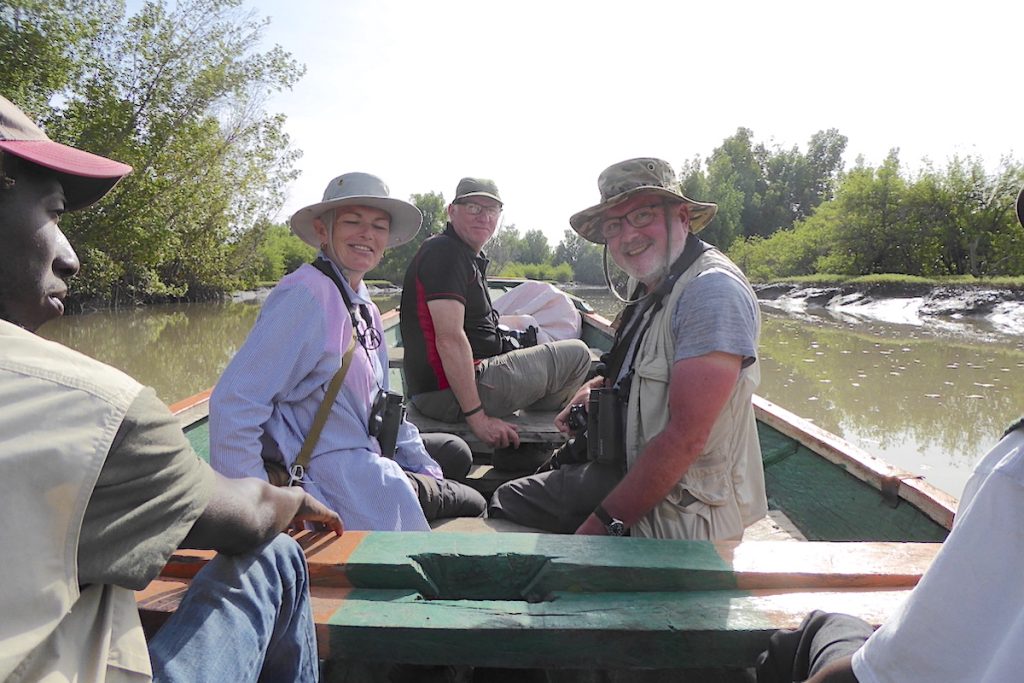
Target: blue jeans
(244, 618)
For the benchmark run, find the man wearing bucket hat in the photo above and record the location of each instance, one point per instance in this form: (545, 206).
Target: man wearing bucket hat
(367, 463)
(678, 453)
(100, 486)
(456, 364)
(934, 636)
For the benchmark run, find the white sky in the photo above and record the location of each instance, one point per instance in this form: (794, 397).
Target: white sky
(542, 95)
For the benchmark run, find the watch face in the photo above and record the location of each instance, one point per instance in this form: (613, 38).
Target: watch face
(616, 528)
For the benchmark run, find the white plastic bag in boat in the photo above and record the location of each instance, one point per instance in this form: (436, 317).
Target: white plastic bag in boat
(543, 305)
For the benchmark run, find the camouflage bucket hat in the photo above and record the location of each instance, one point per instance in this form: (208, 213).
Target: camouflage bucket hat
(622, 181)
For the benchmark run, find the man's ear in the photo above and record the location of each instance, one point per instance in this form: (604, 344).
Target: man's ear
(450, 207)
(684, 214)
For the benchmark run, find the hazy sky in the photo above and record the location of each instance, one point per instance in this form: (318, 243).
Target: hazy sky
(542, 95)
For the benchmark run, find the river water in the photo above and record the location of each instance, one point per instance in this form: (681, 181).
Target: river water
(930, 400)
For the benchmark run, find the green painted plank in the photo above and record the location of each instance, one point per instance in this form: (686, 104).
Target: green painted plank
(531, 566)
(615, 630)
(198, 435)
(826, 502)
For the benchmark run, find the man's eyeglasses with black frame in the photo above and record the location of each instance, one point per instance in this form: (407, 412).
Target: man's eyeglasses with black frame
(639, 217)
(474, 209)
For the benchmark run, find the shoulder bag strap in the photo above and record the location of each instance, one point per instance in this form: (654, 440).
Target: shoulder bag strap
(297, 471)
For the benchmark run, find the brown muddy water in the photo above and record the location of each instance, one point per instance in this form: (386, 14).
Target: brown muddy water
(928, 401)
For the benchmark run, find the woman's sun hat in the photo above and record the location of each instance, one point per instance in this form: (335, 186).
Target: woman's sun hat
(361, 189)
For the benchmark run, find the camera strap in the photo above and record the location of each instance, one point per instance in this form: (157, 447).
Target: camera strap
(636, 318)
(297, 472)
(325, 267)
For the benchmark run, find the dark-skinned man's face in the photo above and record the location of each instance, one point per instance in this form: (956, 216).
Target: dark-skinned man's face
(36, 259)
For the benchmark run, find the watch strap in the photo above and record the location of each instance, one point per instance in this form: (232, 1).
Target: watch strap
(603, 515)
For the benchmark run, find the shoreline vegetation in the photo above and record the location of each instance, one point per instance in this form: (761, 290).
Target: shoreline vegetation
(180, 97)
(942, 296)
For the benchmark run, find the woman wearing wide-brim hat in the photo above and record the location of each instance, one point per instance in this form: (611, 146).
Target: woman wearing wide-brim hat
(265, 404)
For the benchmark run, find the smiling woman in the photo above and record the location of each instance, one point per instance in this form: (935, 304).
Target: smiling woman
(312, 378)
(355, 240)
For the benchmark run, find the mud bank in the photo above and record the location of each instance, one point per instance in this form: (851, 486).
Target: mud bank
(919, 305)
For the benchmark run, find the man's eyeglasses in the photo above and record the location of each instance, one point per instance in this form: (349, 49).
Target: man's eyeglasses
(638, 218)
(474, 209)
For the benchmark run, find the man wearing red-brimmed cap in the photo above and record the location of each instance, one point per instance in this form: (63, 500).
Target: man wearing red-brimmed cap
(100, 486)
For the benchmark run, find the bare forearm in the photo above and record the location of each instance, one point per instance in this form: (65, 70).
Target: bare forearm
(698, 391)
(244, 514)
(657, 469)
(457, 360)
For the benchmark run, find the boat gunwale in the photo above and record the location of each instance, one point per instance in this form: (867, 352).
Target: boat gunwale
(889, 480)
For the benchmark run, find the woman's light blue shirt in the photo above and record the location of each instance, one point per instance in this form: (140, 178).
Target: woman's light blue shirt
(267, 398)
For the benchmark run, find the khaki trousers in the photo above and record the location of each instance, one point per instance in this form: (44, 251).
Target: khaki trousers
(542, 377)
(448, 498)
(557, 501)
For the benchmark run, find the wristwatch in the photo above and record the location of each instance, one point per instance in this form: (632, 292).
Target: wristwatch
(613, 526)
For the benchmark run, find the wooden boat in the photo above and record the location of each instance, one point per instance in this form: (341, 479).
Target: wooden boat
(865, 531)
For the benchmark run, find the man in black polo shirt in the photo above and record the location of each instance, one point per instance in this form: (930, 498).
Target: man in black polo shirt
(454, 365)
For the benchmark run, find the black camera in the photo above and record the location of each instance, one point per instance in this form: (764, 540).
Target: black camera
(577, 419)
(598, 431)
(513, 340)
(386, 417)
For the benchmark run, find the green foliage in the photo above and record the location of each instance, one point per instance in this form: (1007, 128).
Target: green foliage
(268, 253)
(534, 248)
(49, 45)
(831, 279)
(759, 189)
(952, 222)
(584, 258)
(538, 271)
(175, 91)
(435, 216)
(508, 246)
(504, 247)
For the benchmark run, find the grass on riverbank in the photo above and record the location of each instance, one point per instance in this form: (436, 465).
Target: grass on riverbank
(828, 279)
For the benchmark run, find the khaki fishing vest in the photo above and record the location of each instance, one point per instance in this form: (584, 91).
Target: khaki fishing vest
(727, 479)
(59, 412)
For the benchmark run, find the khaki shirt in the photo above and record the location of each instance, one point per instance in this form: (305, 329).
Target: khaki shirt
(727, 479)
(64, 459)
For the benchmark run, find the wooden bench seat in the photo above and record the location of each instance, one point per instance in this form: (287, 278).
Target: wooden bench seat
(536, 600)
(534, 427)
